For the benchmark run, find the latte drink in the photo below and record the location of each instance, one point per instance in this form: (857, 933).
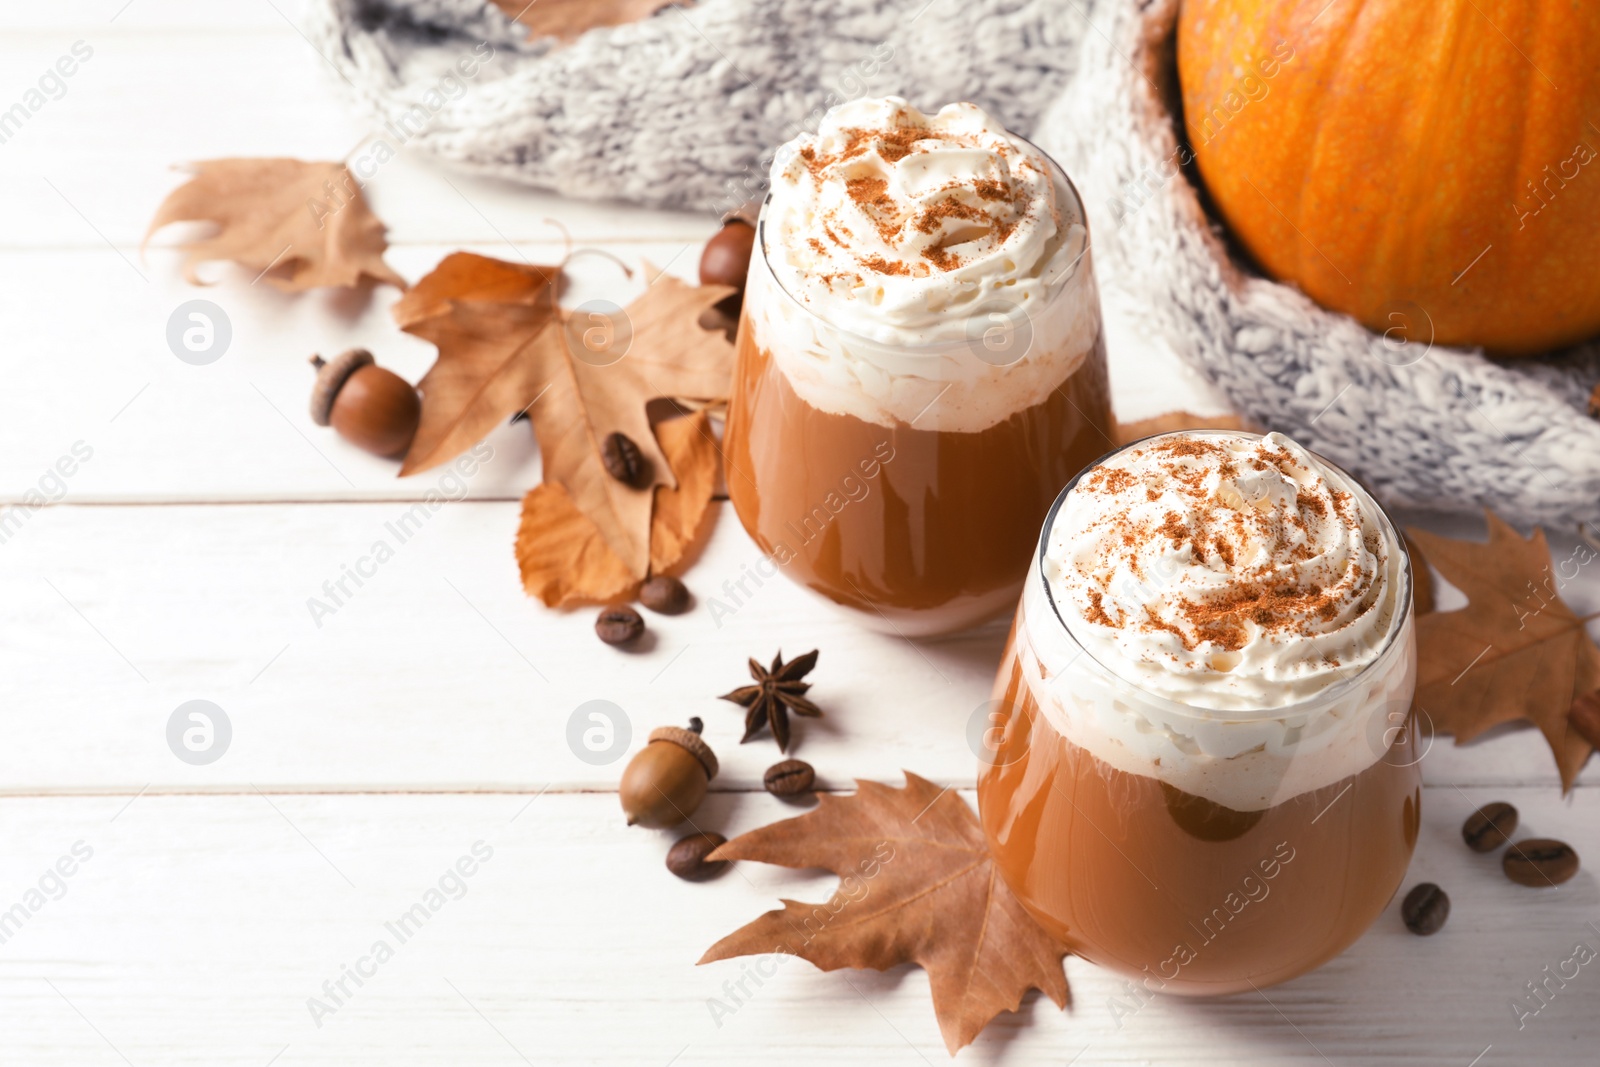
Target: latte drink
(920, 364)
(1202, 770)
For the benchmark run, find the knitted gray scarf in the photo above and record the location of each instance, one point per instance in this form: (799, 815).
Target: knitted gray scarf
(682, 110)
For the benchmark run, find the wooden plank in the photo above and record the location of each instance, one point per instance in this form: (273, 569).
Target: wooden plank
(437, 672)
(110, 17)
(92, 336)
(153, 100)
(200, 927)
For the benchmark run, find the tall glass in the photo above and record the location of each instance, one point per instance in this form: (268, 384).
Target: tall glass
(1099, 802)
(907, 482)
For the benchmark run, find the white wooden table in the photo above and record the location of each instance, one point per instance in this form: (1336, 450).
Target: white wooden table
(430, 713)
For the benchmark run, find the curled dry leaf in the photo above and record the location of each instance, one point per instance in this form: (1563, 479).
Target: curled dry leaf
(692, 451)
(568, 19)
(505, 347)
(299, 225)
(918, 886)
(1516, 651)
(561, 554)
(563, 557)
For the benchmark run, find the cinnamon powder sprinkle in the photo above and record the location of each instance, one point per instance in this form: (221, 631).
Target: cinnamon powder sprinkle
(989, 189)
(941, 258)
(1262, 597)
(884, 266)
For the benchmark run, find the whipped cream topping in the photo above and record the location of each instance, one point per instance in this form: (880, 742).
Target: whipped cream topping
(1245, 610)
(892, 238)
(1223, 571)
(889, 221)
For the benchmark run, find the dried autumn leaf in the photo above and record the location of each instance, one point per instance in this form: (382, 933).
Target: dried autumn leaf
(692, 452)
(1128, 432)
(482, 314)
(579, 378)
(563, 558)
(300, 225)
(918, 886)
(1422, 602)
(568, 19)
(1585, 717)
(471, 277)
(1515, 652)
(672, 352)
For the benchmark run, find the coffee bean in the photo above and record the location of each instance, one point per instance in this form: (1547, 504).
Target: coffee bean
(724, 316)
(1540, 861)
(623, 460)
(790, 778)
(687, 857)
(726, 259)
(619, 625)
(664, 593)
(1489, 827)
(1425, 909)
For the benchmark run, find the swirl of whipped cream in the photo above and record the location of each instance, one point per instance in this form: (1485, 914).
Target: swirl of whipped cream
(889, 222)
(1224, 571)
(891, 239)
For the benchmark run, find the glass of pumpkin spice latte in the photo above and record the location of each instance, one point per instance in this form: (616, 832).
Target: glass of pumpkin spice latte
(1202, 768)
(920, 363)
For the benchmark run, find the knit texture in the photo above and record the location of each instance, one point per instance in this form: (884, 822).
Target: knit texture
(682, 110)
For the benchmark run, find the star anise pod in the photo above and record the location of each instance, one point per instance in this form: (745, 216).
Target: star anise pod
(777, 692)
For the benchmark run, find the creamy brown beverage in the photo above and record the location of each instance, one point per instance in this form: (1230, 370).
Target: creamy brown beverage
(920, 363)
(1203, 771)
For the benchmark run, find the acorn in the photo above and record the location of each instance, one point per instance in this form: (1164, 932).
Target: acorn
(372, 408)
(666, 781)
(726, 258)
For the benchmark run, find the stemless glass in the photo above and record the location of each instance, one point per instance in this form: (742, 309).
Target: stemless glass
(1175, 890)
(870, 472)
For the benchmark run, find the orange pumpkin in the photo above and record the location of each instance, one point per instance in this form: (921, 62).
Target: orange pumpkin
(1430, 167)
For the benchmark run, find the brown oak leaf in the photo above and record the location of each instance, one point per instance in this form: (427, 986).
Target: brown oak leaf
(563, 558)
(569, 19)
(298, 225)
(578, 376)
(917, 886)
(1515, 652)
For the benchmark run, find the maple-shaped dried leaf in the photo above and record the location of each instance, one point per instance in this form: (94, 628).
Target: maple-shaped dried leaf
(471, 277)
(1421, 580)
(672, 353)
(1584, 716)
(1515, 652)
(561, 554)
(299, 225)
(579, 377)
(569, 19)
(917, 886)
(482, 314)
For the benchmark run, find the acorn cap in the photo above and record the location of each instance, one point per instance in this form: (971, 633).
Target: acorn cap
(690, 740)
(331, 376)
